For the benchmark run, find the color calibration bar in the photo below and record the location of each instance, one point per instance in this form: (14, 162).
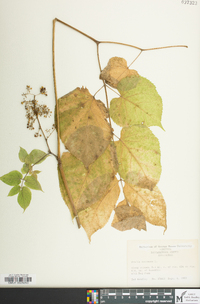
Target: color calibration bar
(92, 296)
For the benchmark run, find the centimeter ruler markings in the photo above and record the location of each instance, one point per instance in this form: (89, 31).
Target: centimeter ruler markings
(150, 292)
(136, 296)
(150, 296)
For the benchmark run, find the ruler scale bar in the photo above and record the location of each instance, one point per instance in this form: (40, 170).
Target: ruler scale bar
(150, 296)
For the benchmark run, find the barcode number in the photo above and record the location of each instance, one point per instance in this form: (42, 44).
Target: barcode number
(18, 279)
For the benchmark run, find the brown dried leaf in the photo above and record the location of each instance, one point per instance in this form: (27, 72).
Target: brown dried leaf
(97, 215)
(128, 217)
(84, 129)
(115, 70)
(151, 203)
(94, 191)
(87, 144)
(86, 186)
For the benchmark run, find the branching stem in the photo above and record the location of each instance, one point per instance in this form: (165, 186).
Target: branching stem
(105, 88)
(23, 179)
(40, 128)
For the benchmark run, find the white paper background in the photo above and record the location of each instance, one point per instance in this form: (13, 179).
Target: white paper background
(43, 240)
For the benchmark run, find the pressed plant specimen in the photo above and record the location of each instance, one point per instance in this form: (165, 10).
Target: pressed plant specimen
(98, 165)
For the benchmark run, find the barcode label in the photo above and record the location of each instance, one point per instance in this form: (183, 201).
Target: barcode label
(11, 279)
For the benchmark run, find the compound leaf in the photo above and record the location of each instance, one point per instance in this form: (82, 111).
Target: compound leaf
(84, 129)
(139, 103)
(128, 217)
(151, 203)
(138, 153)
(24, 197)
(97, 215)
(12, 178)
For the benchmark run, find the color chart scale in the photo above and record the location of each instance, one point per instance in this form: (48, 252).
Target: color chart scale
(92, 296)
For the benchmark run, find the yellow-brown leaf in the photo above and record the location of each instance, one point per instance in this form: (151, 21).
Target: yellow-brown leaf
(128, 217)
(151, 203)
(84, 129)
(115, 70)
(97, 215)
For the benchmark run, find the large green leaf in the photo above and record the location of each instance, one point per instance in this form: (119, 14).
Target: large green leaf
(84, 129)
(139, 103)
(138, 154)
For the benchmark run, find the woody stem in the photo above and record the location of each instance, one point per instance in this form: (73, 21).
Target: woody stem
(58, 134)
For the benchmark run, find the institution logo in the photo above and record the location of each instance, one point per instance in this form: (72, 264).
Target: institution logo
(179, 299)
(187, 296)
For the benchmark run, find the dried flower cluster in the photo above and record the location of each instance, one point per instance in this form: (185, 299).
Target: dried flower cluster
(50, 131)
(34, 110)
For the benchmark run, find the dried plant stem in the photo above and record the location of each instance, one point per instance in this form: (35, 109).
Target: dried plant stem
(55, 90)
(141, 49)
(105, 88)
(49, 150)
(58, 135)
(114, 42)
(40, 128)
(75, 29)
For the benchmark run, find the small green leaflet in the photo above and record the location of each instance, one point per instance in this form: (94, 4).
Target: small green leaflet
(14, 191)
(35, 157)
(25, 168)
(22, 154)
(12, 178)
(32, 182)
(24, 197)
